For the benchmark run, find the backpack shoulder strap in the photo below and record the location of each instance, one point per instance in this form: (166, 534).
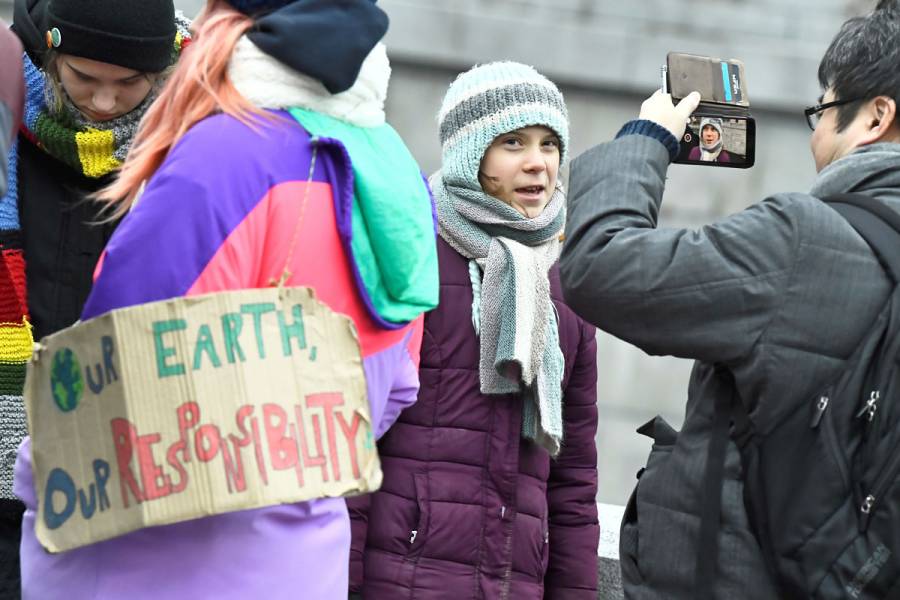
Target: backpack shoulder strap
(726, 402)
(876, 222)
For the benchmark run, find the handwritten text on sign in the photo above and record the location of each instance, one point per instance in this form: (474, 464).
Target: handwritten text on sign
(196, 406)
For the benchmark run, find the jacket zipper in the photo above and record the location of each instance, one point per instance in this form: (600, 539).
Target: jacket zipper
(880, 487)
(888, 474)
(819, 413)
(869, 409)
(872, 427)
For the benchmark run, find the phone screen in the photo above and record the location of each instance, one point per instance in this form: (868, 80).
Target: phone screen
(718, 141)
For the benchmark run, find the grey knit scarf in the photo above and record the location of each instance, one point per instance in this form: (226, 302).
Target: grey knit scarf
(512, 311)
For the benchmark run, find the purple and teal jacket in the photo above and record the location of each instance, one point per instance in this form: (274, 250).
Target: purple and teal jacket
(220, 214)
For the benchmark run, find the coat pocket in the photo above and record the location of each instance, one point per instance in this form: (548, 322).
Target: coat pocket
(418, 530)
(545, 547)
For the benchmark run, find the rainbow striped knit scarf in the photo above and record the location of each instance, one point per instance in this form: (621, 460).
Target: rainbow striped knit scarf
(93, 149)
(15, 350)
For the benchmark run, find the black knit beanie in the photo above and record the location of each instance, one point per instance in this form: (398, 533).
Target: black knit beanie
(136, 34)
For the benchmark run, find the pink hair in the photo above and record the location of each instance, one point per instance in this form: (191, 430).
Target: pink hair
(198, 88)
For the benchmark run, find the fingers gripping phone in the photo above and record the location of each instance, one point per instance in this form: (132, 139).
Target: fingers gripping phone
(721, 132)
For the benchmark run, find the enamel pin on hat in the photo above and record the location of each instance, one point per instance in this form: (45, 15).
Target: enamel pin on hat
(54, 38)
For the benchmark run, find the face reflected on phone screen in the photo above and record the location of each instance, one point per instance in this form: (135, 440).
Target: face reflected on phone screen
(719, 140)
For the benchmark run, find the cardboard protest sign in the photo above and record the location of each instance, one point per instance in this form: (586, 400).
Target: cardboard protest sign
(179, 409)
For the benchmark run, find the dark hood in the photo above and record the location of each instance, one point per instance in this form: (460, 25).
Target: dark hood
(324, 39)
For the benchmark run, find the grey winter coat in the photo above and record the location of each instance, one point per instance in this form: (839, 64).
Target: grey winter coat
(780, 293)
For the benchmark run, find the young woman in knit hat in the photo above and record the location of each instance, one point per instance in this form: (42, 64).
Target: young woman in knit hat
(91, 70)
(239, 193)
(711, 142)
(490, 478)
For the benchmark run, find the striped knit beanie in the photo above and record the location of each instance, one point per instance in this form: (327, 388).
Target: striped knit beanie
(490, 100)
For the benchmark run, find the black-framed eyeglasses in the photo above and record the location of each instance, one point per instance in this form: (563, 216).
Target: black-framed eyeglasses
(814, 113)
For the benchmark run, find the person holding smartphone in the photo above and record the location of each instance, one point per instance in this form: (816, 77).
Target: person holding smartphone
(770, 301)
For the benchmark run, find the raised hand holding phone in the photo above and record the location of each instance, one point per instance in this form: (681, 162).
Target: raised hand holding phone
(674, 117)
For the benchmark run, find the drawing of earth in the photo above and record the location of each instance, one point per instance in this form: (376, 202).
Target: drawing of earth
(65, 380)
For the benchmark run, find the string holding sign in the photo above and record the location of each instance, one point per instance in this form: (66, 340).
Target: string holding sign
(286, 273)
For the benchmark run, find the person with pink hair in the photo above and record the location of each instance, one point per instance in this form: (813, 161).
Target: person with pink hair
(270, 130)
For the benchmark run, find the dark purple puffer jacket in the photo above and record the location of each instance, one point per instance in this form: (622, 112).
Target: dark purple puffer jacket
(467, 508)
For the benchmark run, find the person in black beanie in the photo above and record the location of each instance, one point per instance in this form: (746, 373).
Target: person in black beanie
(91, 70)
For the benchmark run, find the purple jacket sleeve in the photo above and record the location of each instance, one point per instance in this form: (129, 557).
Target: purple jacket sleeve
(572, 487)
(358, 507)
(405, 387)
(404, 391)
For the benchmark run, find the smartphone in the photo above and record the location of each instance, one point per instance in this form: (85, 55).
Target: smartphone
(721, 132)
(719, 81)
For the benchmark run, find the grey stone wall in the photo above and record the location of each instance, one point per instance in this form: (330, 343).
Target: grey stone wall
(609, 44)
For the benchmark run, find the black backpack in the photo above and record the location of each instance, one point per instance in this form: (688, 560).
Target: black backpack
(822, 483)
